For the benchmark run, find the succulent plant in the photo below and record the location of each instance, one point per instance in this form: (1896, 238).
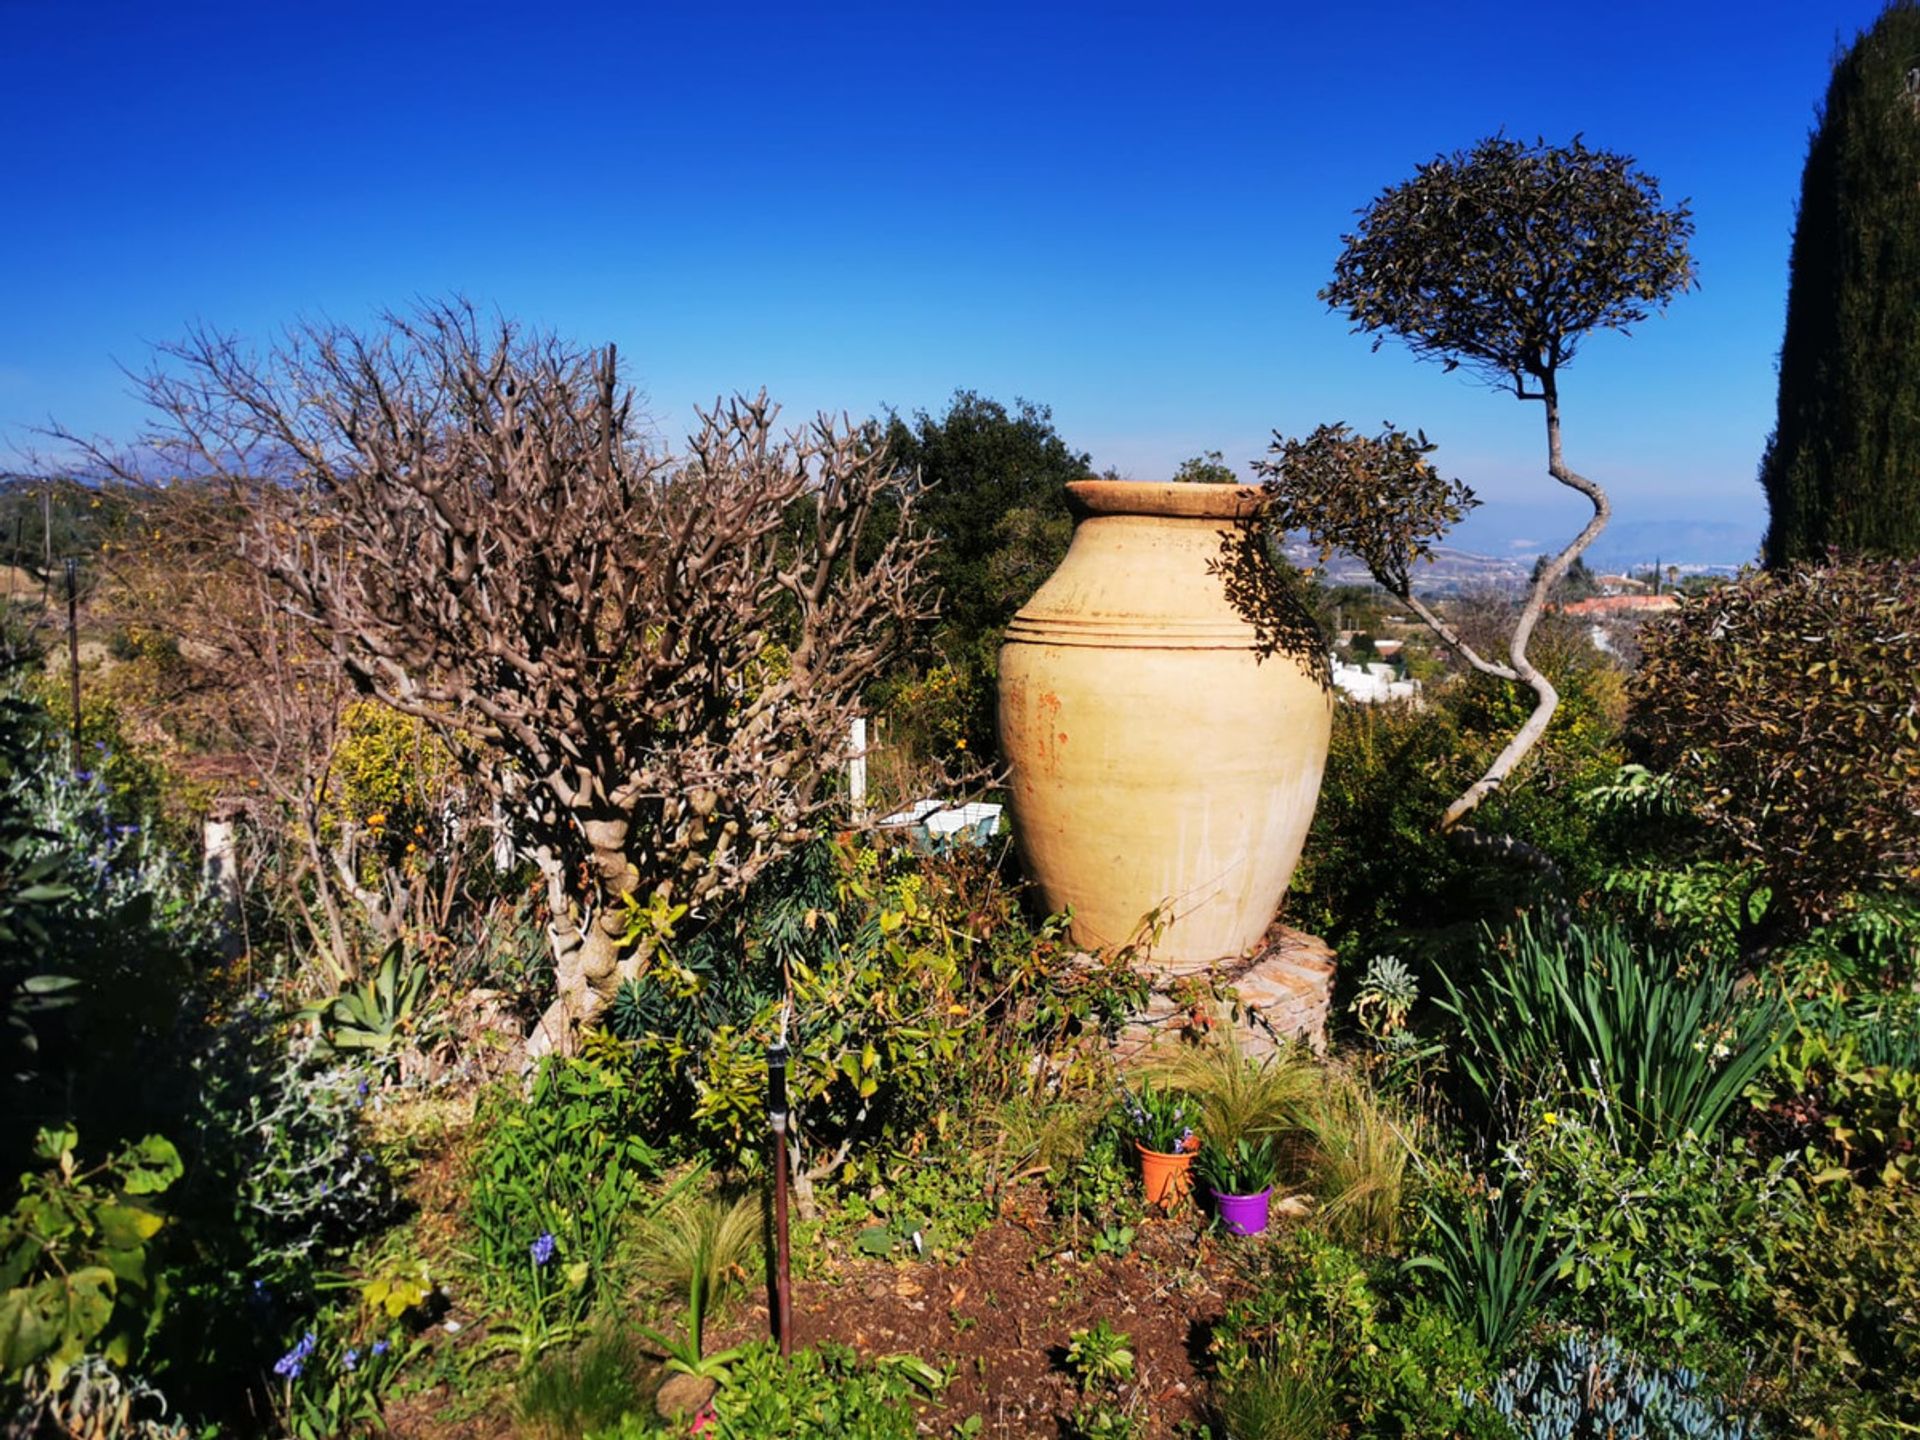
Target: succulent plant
(1594, 1388)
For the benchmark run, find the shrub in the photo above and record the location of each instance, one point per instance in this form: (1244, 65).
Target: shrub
(1670, 1049)
(567, 1163)
(109, 928)
(1594, 1389)
(1375, 866)
(1669, 1247)
(823, 1393)
(1847, 1298)
(1785, 706)
(73, 1259)
(915, 984)
(1328, 1335)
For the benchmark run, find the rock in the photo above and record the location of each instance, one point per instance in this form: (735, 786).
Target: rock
(683, 1395)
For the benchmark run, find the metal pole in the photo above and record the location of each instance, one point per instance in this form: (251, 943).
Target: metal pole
(777, 1109)
(73, 651)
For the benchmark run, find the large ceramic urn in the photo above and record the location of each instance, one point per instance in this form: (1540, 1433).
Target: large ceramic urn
(1163, 762)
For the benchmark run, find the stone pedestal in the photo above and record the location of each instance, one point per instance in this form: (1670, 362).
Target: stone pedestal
(1283, 991)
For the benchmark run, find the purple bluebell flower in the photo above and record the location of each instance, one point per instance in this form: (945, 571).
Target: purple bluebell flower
(543, 1248)
(289, 1365)
(350, 1361)
(380, 1347)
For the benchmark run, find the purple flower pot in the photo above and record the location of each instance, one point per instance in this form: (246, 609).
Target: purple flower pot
(1244, 1214)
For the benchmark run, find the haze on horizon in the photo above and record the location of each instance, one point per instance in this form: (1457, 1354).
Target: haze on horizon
(1116, 211)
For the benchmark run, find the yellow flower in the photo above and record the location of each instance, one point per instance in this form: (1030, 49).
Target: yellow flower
(411, 847)
(376, 819)
(959, 744)
(1549, 1118)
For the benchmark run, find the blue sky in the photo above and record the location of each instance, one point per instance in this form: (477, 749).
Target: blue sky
(1121, 211)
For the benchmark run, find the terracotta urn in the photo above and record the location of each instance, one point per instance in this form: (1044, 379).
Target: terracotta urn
(1161, 763)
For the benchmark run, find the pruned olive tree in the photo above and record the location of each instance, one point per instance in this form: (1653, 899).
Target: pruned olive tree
(1501, 259)
(648, 659)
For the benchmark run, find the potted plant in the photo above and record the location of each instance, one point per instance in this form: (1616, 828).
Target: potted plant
(1161, 1124)
(1241, 1177)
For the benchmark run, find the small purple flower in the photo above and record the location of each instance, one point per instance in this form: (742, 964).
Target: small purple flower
(350, 1361)
(363, 1089)
(380, 1347)
(289, 1365)
(543, 1248)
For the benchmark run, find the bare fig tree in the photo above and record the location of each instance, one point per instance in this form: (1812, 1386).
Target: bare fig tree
(1501, 259)
(649, 659)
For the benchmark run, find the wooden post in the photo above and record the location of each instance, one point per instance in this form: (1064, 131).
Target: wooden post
(73, 651)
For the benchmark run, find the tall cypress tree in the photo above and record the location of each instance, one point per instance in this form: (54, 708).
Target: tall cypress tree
(1842, 469)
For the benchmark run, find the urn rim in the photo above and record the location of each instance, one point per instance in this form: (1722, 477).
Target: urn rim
(1179, 500)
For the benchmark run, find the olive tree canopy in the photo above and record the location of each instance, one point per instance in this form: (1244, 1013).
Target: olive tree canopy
(1501, 259)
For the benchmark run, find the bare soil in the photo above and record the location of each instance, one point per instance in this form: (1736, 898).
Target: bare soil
(1001, 1316)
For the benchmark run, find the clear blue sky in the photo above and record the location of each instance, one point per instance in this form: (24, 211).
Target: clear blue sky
(1121, 211)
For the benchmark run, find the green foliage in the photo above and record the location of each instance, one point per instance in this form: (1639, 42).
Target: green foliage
(1847, 1296)
(1585, 1011)
(1160, 1118)
(1594, 1390)
(1100, 1181)
(989, 473)
(700, 1246)
(1493, 1259)
(1503, 257)
(389, 776)
(1237, 1095)
(1276, 1397)
(1239, 1167)
(569, 1163)
(33, 880)
(1328, 1337)
(1100, 1355)
(822, 1393)
(931, 1204)
(1782, 707)
(1357, 1164)
(1865, 1101)
(1383, 1011)
(1376, 873)
(1375, 497)
(588, 1388)
(338, 1386)
(1207, 468)
(114, 926)
(915, 983)
(284, 1166)
(1671, 1247)
(1839, 468)
(1102, 1419)
(74, 1275)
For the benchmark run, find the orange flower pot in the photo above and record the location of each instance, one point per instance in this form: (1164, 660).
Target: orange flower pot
(1168, 1177)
